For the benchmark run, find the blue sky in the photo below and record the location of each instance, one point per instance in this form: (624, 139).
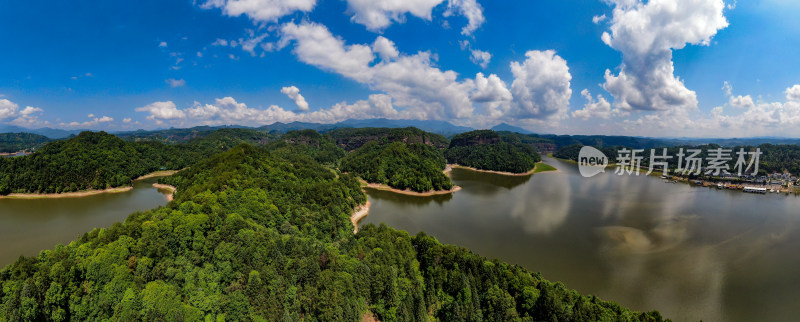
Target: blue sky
(665, 68)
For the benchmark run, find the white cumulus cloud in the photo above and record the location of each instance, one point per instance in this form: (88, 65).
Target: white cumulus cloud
(646, 34)
(229, 111)
(411, 80)
(541, 86)
(162, 110)
(742, 101)
(480, 57)
(261, 10)
(376, 15)
(7, 109)
(793, 93)
(379, 14)
(599, 108)
(493, 94)
(294, 94)
(27, 117)
(94, 122)
(28, 110)
(470, 9)
(599, 19)
(385, 48)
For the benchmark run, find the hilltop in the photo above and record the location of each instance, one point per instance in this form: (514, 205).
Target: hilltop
(488, 150)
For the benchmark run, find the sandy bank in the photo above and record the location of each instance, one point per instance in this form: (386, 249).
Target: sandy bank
(409, 192)
(169, 188)
(359, 213)
(87, 193)
(164, 173)
(512, 174)
(66, 194)
(448, 169)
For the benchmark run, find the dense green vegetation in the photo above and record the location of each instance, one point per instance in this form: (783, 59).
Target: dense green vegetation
(87, 161)
(353, 138)
(258, 235)
(415, 166)
(487, 150)
(320, 147)
(98, 160)
(607, 141)
(15, 142)
(173, 136)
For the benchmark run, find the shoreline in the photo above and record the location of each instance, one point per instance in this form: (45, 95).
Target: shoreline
(171, 189)
(359, 213)
(706, 183)
(408, 192)
(11, 154)
(510, 174)
(86, 193)
(77, 194)
(161, 173)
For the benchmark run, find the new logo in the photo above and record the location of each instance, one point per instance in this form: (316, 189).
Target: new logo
(591, 161)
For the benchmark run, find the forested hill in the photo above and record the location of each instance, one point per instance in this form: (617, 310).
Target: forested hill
(200, 133)
(488, 150)
(257, 236)
(415, 166)
(98, 160)
(91, 160)
(353, 138)
(319, 147)
(15, 142)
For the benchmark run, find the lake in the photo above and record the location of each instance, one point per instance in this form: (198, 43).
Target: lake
(690, 252)
(28, 226)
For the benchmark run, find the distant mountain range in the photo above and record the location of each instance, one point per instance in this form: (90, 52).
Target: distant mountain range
(46, 131)
(510, 128)
(439, 127)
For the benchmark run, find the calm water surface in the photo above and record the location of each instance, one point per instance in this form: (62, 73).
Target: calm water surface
(29, 226)
(690, 252)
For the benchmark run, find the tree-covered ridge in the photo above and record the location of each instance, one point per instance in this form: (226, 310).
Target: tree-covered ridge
(237, 245)
(475, 138)
(88, 161)
(488, 150)
(98, 160)
(353, 138)
(174, 136)
(399, 165)
(15, 142)
(319, 147)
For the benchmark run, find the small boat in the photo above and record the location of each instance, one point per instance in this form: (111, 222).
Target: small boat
(755, 190)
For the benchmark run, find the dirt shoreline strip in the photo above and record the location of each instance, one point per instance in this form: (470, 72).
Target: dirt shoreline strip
(86, 193)
(408, 192)
(167, 187)
(359, 213)
(163, 173)
(66, 194)
(511, 174)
